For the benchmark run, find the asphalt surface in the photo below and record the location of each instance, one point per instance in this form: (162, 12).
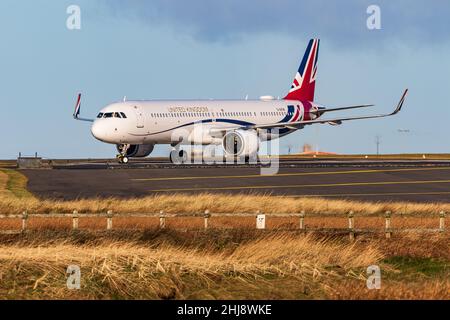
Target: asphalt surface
(380, 181)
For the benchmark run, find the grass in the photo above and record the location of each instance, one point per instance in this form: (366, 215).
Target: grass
(124, 269)
(13, 184)
(177, 265)
(198, 203)
(419, 266)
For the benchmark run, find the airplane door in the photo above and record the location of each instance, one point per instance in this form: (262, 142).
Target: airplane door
(139, 117)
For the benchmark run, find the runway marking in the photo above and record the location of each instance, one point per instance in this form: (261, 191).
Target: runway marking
(366, 194)
(289, 174)
(305, 185)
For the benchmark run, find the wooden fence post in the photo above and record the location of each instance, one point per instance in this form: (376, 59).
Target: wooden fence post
(109, 220)
(75, 220)
(351, 224)
(206, 217)
(388, 230)
(442, 221)
(24, 220)
(302, 220)
(162, 220)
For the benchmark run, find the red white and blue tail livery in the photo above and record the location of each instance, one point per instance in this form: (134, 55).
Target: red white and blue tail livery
(305, 80)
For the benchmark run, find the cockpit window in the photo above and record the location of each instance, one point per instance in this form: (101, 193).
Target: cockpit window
(112, 115)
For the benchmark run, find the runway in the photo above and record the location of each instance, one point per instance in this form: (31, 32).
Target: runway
(363, 181)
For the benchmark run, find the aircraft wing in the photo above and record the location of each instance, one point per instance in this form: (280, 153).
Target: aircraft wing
(76, 113)
(335, 121)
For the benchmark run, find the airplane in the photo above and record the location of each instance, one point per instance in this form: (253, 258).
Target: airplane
(238, 126)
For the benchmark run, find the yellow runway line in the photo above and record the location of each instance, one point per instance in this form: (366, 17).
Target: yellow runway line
(305, 185)
(367, 194)
(290, 174)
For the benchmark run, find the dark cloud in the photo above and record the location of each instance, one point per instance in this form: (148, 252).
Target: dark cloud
(343, 22)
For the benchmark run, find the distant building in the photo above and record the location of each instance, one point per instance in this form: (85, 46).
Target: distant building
(308, 149)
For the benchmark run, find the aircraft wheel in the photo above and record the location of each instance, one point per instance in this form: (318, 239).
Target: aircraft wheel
(178, 156)
(172, 156)
(183, 155)
(122, 159)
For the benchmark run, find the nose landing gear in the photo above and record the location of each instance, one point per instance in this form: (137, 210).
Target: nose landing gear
(122, 159)
(122, 156)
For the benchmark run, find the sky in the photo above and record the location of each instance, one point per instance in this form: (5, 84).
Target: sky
(202, 49)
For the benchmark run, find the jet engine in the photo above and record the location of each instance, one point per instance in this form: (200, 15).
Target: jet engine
(137, 150)
(243, 143)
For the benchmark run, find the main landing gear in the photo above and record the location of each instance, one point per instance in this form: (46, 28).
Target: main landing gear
(122, 156)
(178, 156)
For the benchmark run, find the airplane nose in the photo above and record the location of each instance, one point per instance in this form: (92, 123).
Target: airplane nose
(99, 131)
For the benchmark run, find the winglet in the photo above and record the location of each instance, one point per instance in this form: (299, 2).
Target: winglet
(400, 103)
(76, 113)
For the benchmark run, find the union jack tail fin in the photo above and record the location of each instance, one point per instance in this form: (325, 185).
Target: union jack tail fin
(305, 80)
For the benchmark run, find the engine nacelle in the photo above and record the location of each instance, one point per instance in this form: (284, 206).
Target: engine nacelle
(241, 143)
(137, 150)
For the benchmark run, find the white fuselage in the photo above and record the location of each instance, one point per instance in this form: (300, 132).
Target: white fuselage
(154, 122)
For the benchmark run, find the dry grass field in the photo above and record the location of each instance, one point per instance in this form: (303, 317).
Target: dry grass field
(215, 203)
(232, 260)
(227, 264)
